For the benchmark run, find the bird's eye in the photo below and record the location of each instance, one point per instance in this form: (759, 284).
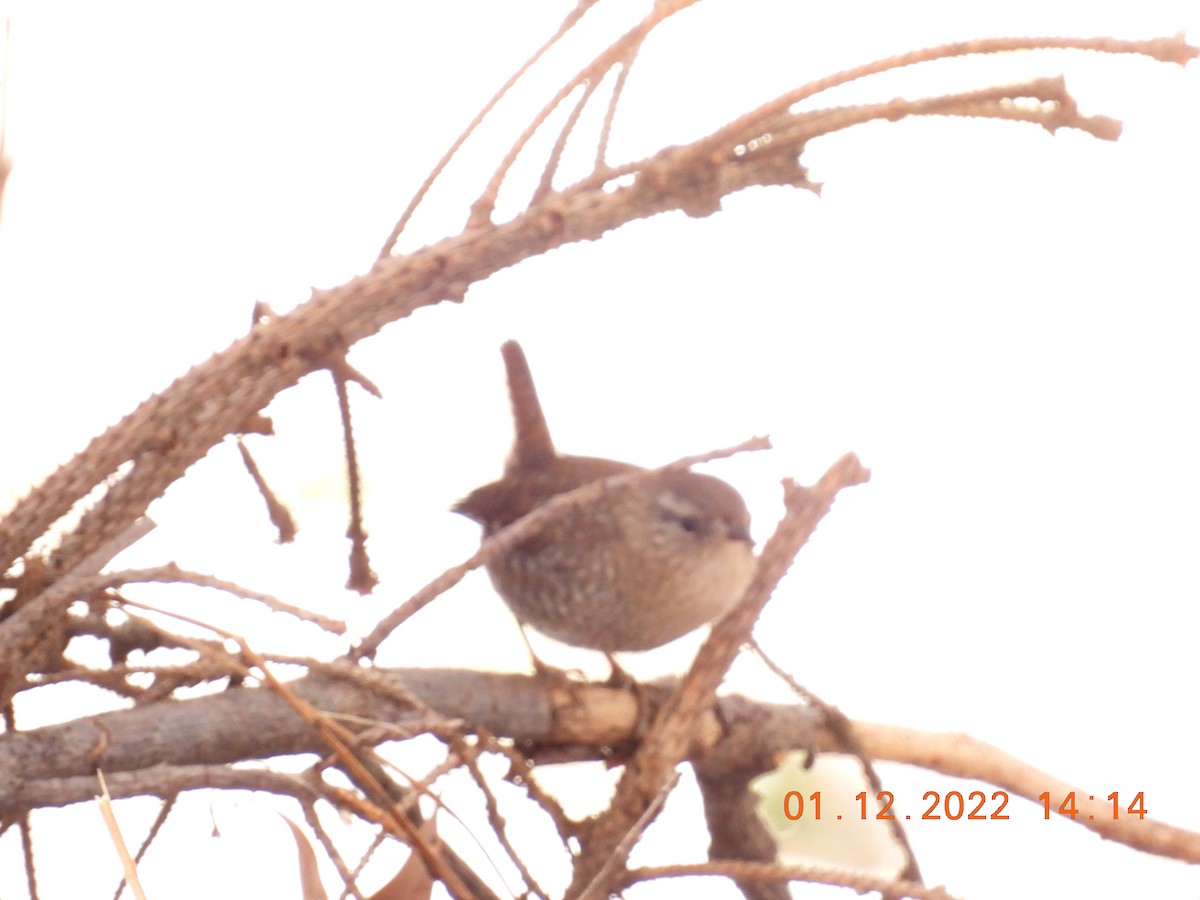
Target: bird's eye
(690, 524)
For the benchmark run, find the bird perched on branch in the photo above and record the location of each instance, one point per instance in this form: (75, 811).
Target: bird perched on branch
(647, 561)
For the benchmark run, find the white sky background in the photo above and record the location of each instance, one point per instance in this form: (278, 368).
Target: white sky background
(1001, 324)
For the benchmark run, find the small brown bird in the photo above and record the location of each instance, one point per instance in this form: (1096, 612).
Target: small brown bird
(642, 565)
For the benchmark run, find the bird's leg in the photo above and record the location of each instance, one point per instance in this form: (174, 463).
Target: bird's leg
(542, 669)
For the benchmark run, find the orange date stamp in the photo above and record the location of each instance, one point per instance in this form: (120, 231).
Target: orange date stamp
(976, 806)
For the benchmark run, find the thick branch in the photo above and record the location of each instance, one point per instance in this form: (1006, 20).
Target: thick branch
(170, 746)
(251, 723)
(179, 425)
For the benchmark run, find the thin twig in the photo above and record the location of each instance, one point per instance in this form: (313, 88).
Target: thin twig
(520, 774)
(621, 850)
(546, 182)
(279, 514)
(470, 759)
(1055, 109)
(666, 741)
(1174, 50)
(567, 24)
(361, 579)
(506, 538)
(172, 574)
(340, 741)
(750, 871)
(837, 722)
(27, 854)
(592, 73)
(160, 819)
(350, 886)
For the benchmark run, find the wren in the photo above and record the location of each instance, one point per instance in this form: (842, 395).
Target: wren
(641, 565)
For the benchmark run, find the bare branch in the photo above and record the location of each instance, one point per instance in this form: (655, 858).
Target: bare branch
(568, 23)
(281, 518)
(744, 871)
(172, 574)
(361, 579)
(1174, 50)
(166, 748)
(666, 741)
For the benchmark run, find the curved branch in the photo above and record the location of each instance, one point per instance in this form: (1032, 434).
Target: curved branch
(176, 427)
(1173, 50)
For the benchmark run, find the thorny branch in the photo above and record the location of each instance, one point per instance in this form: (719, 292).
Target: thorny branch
(175, 427)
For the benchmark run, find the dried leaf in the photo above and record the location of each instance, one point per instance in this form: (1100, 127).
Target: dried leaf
(412, 882)
(310, 881)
